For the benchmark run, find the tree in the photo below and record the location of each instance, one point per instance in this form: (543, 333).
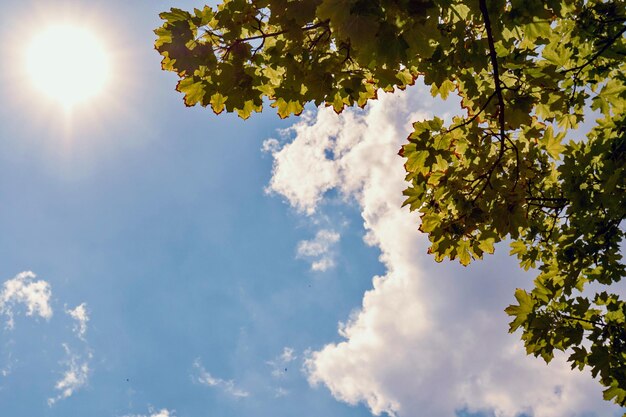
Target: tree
(527, 72)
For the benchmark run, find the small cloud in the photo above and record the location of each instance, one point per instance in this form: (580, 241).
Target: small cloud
(23, 289)
(6, 370)
(280, 392)
(79, 313)
(164, 412)
(270, 146)
(228, 386)
(320, 245)
(280, 364)
(75, 377)
(287, 355)
(323, 264)
(320, 250)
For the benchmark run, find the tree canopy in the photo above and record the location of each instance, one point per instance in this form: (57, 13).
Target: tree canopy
(514, 167)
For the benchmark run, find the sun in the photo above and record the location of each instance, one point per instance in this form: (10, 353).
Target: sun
(68, 64)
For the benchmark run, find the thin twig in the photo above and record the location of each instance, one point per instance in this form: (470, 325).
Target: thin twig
(474, 117)
(496, 71)
(595, 56)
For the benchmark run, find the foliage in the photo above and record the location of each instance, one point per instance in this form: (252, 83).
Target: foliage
(526, 72)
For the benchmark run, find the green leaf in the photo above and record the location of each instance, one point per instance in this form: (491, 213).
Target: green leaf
(193, 91)
(287, 108)
(487, 245)
(538, 29)
(552, 143)
(217, 103)
(463, 250)
(429, 223)
(521, 310)
(518, 248)
(614, 393)
(443, 90)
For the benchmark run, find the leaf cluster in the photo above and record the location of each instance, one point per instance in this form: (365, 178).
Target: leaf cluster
(526, 73)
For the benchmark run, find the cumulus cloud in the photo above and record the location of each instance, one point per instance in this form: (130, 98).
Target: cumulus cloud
(23, 289)
(79, 313)
(427, 337)
(319, 250)
(74, 377)
(316, 173)
(202, 376)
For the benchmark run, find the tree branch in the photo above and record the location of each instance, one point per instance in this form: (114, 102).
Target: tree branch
(568, 317)
(496, 77)
(281, 32)
(496, 71)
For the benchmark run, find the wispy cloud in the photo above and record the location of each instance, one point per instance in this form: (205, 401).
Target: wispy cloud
(164, 412)
(74, 377)
(202, 376)
(35, 296)
(23, 289)
(76, 374)
(7, 367)
(79, 313)
(425, 337)
(280, 364)
(320, 250)
(280, 392)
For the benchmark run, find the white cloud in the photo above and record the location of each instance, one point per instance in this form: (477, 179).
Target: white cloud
(280, 364)
(288, 355)
(77, 372)
(323, 264)
(35, 295)
(79, 313)
(23, 289)
(427, 337)
(75, 376)
(203, 377)
(164, 412)
(316, 174)
(270, 145)
(320, 250)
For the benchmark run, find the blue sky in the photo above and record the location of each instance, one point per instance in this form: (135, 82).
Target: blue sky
(212, 276)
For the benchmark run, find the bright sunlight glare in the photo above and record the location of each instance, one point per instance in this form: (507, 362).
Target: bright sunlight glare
(68, 64)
